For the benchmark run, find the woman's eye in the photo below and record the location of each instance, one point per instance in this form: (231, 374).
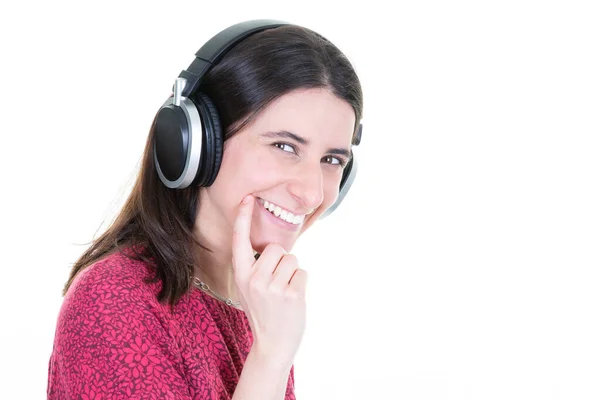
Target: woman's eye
(334, 161)
(286, 147)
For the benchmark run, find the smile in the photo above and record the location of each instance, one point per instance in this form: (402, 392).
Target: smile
(281, 213)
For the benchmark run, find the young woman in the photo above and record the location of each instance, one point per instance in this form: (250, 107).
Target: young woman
(192, 292)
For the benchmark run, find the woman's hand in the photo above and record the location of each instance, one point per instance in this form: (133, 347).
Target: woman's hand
(272, 291)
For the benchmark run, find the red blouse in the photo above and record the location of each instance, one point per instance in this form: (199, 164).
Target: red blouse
(115, 340)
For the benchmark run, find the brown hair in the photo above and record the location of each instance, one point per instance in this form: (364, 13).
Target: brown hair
(158, 222)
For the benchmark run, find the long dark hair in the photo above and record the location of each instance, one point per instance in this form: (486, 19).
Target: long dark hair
(156, 222)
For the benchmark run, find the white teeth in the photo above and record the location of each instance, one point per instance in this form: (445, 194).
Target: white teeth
(283, 214)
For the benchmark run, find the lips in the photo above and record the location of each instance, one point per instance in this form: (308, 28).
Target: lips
(281, 213)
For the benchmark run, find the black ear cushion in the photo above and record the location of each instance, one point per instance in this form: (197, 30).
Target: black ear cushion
(213, 136)
(346, 173)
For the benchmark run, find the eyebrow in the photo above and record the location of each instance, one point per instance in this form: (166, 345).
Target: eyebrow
(305, 142)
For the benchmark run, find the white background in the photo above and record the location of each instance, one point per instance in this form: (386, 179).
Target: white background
(464, 263)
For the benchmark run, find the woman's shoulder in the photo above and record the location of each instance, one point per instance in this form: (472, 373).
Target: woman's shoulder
(112, 331)
(112, 282)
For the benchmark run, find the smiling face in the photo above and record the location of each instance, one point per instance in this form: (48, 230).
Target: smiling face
(290, 158)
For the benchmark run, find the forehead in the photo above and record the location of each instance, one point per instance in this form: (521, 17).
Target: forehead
(311, 113)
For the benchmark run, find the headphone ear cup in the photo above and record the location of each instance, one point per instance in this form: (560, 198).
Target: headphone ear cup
(177, 143)
(212, 136)
(171, 143)
(348, 176)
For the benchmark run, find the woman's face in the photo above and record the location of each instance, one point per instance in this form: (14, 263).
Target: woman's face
(292, 157)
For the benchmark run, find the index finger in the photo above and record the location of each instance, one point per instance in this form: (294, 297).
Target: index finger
(243, 254)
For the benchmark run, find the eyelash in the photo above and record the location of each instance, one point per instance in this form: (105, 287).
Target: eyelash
(341, 161)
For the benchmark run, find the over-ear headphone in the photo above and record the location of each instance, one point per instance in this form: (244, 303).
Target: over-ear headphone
(188, 142)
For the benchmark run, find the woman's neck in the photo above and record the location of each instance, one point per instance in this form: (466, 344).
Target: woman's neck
(216, 271)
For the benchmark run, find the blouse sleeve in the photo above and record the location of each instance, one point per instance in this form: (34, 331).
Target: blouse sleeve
(110, 342)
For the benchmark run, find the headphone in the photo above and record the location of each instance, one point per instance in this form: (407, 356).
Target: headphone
(188, 142)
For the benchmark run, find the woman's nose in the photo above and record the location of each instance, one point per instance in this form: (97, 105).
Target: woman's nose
(307, 185)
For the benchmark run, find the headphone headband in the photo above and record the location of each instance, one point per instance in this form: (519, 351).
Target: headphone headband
(213, 50)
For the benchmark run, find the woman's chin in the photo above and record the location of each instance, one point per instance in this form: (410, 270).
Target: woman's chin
(266, 229)
(261, 241)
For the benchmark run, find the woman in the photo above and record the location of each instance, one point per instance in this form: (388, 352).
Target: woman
(192, 292)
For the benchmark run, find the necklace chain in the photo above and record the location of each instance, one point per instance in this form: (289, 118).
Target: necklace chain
(203, 286)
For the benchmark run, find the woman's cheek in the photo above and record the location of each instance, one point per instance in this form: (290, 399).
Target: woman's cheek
(268, 168)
